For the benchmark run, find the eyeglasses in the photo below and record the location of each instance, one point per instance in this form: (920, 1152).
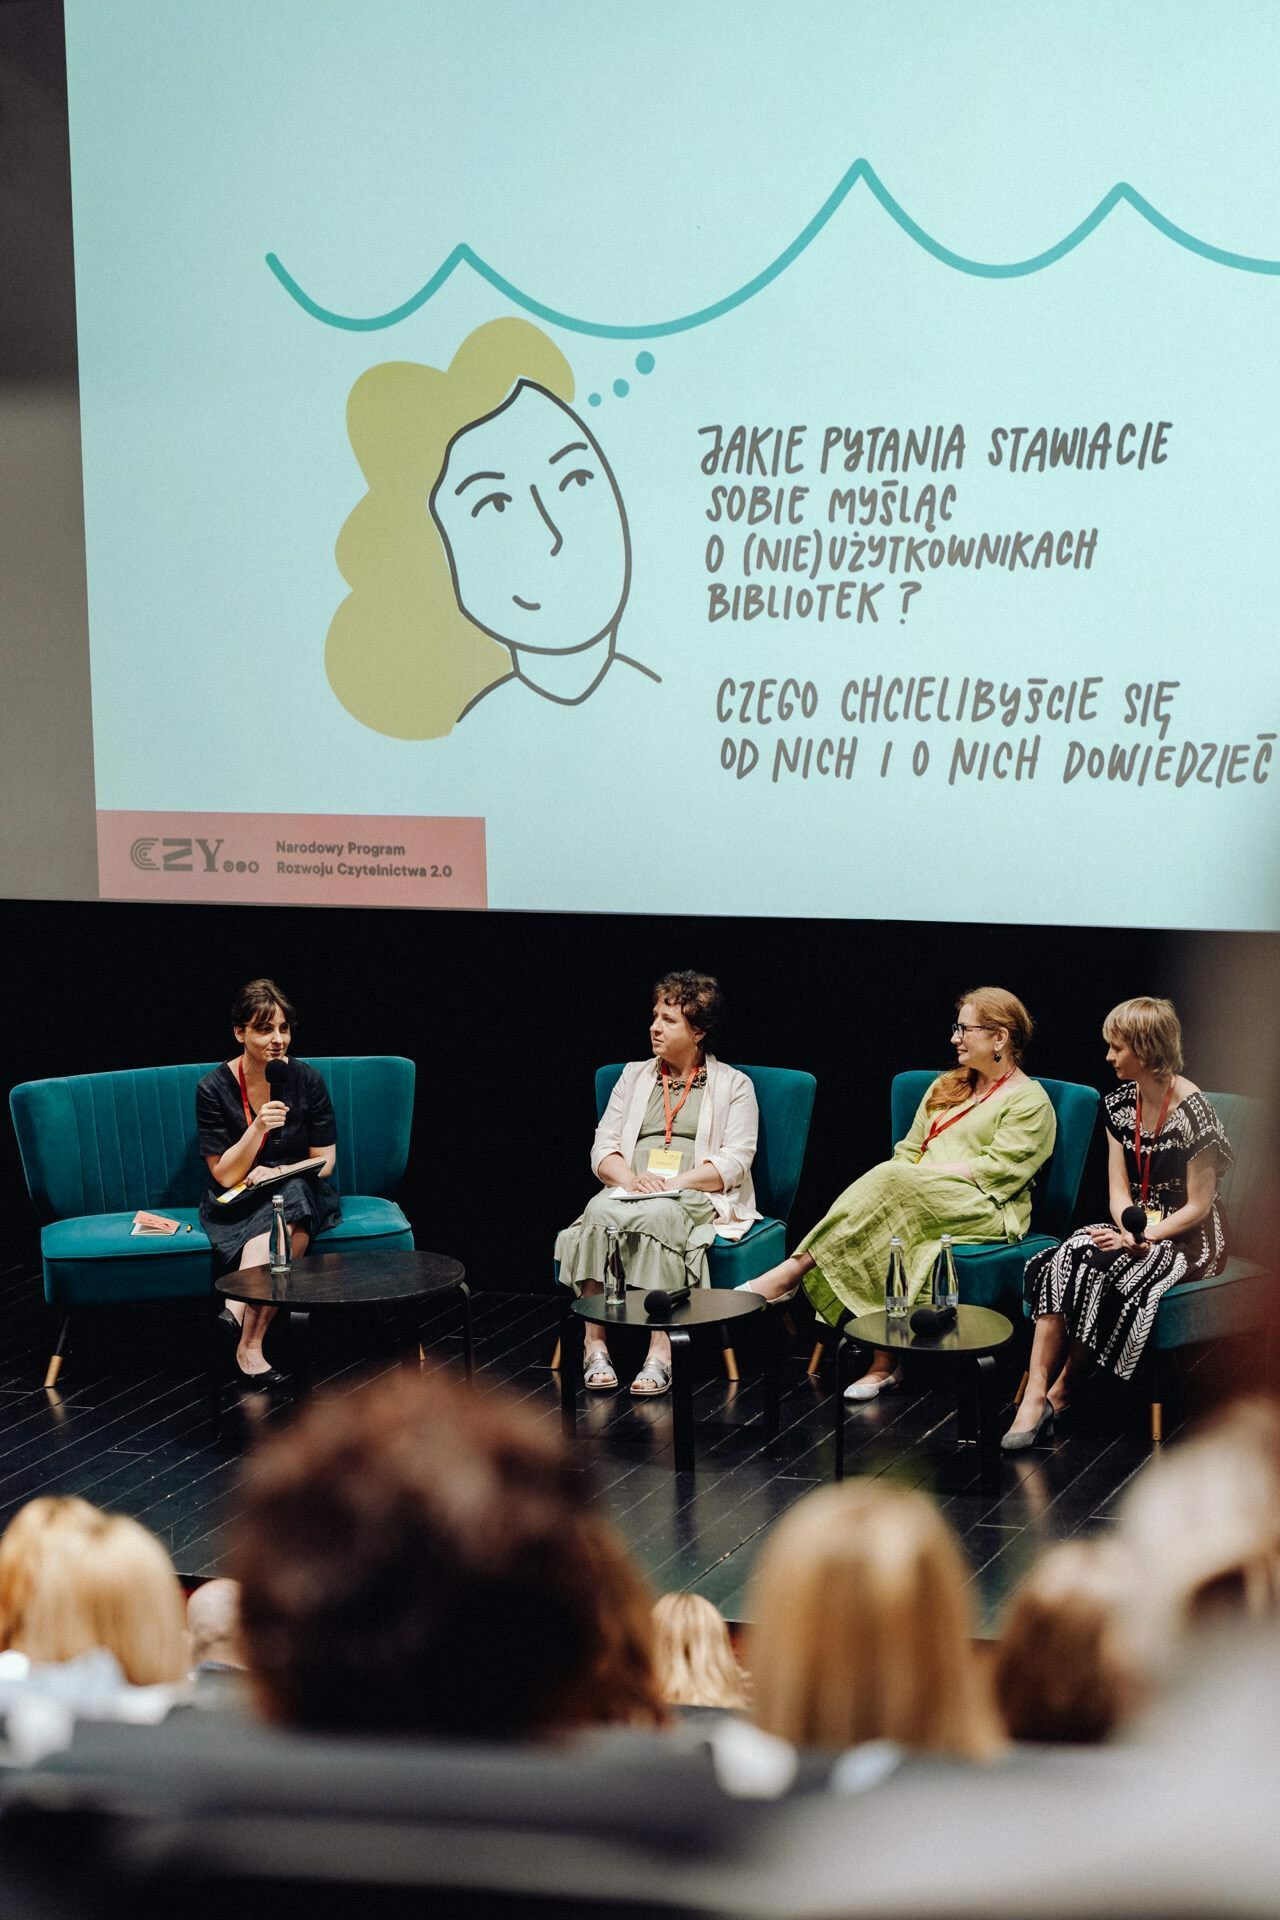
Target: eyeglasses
(958, 1026)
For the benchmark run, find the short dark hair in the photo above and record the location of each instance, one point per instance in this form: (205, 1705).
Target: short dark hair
(253, 1004)
(419, 1558)
(698, 997)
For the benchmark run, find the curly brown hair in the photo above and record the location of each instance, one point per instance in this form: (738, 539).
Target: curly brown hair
(419, 1558)
(698, 997)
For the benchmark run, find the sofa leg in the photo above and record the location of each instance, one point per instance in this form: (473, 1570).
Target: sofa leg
(1022, 1387)
(555, 1359)
(815, 1358)
(730, 1365)
(1157, 1422)
(54, 1367)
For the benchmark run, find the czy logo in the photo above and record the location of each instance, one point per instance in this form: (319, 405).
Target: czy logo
(174, 856)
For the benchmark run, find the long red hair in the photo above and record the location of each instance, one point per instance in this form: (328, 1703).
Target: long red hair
(995, 1007)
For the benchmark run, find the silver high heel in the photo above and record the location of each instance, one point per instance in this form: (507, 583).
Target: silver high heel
(1030, 1436)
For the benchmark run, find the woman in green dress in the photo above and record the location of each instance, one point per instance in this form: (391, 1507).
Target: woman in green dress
(965, 1168)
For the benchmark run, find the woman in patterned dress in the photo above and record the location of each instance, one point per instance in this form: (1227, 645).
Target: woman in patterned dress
(1100, 1289)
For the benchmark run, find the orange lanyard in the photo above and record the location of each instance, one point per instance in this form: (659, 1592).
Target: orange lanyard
(1144, 1162)
(249, 1115)
(940, 1126)
(672, 1113)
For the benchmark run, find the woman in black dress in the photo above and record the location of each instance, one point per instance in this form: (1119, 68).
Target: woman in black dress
(1100, 1289)
(245, 1131)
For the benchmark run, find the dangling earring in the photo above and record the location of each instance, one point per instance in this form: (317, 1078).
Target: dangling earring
(999, 1057)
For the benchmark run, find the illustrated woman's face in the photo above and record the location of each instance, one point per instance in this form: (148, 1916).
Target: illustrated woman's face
(269, 1041)
(534, 526)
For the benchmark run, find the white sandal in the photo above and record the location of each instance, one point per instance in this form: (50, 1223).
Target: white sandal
(598, 1375)
(653, 1378)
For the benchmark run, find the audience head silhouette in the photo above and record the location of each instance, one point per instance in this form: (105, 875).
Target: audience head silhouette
(863, 1629)
(73, 1579)
(1067, 1667)
(420, 1558)
(694, 1654)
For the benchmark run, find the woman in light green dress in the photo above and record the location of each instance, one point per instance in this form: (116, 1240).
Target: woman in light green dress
(965, 1168)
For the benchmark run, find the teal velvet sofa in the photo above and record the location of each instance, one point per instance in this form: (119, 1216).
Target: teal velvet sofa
(96, 1147)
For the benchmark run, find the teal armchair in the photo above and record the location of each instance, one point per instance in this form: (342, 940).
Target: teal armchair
(96, 1147)
(785, 1098)
(990, 1274)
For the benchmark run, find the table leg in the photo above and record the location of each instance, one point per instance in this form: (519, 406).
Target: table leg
(300, 1354)
(966, 1404)
(682, 1397)
(842, 1349)
(468, 1356)
(572, 1338)
(988, 1423)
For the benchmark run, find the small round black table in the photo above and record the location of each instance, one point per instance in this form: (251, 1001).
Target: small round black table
(706, 1311)
(964, 1351)
(398, 1280)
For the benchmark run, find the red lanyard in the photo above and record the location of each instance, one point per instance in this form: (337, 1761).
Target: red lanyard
(1144, 1162)
(940, 1126)
(667, 1108)
(249, 1115)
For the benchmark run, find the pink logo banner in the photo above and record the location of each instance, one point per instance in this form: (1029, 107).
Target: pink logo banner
(295, 859)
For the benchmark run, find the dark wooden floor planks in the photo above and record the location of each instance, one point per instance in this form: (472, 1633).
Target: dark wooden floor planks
(128, 1430)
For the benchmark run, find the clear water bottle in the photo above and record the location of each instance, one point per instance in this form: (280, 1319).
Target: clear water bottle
(895, 1285)
(615, 1279)
(945, 1289)
(280, 1254)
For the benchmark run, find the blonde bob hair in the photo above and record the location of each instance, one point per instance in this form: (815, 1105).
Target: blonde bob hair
(693, 1654)
(995, 1007)
(73, 1578)
(1151, 1029)
(863, 1629)
(1067, 1667)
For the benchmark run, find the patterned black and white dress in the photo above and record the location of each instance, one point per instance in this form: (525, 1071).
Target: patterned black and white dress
(1109, 1300)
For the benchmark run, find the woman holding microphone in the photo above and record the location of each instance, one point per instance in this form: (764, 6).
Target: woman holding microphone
(246, 1132)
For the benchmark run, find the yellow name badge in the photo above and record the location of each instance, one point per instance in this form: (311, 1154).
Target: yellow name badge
(1154, 1215)
(664, 1160)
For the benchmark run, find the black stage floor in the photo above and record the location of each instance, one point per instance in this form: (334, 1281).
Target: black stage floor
(127, 1429)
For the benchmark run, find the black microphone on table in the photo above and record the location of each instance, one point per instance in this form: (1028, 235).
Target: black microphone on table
(661, 1305)
(932, 1319)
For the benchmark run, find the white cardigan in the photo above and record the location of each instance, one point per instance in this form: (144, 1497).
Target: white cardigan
(728, 1127)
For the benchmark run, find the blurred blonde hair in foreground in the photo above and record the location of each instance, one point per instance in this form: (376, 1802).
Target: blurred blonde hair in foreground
(1067, 1667)
(401, 655)
(863, 1627)
(1203, 1523)
(72, 1579)
(693, 1654)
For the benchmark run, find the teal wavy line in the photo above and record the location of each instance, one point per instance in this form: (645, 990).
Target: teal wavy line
(862, 170)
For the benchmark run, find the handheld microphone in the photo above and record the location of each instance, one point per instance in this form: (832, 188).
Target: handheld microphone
(932, 1319)
(660, 1305)
(1134, 1221)
(278, 1079)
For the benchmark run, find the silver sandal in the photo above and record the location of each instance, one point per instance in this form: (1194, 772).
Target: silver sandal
(653, 1378)
(598, 1375)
